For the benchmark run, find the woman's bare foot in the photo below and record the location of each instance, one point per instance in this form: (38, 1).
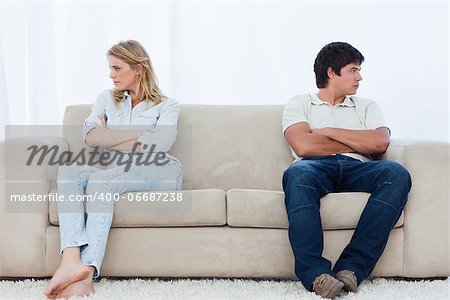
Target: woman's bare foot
(82, 287)
(71, 269)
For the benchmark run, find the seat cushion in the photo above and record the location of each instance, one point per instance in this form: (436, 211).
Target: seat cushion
(196, 208)
(257, 208)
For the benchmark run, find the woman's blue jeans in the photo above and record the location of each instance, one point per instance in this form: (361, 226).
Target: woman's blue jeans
(91, 235)
(305, 182)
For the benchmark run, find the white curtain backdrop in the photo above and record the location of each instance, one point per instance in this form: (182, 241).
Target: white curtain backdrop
(227, 52)
(4, 115)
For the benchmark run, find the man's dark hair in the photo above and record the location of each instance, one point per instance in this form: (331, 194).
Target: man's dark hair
(335, 55)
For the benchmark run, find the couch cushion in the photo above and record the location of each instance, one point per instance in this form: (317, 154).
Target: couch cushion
(227, 151)
(257, 208)
(197, 208)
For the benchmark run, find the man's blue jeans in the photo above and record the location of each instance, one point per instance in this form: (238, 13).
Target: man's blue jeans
(307, 181)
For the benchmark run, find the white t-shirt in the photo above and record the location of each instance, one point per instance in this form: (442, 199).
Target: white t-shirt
(353, 113)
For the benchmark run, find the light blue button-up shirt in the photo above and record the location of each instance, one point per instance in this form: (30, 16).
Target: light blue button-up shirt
(158, 121)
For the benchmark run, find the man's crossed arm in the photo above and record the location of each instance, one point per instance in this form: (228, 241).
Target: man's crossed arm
(327, 141)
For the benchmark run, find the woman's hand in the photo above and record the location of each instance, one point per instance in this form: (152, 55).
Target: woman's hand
(102, 121)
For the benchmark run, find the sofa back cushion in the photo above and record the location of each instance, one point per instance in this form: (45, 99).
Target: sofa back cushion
(220, 146)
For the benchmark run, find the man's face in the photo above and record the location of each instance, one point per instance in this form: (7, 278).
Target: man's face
(348, 82)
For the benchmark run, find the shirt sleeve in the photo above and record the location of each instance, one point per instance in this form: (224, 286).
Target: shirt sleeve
(374, 116)
(163, 135)
(92, 121)
(295, 112)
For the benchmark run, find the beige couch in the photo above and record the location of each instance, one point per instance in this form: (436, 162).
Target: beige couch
(234, 157)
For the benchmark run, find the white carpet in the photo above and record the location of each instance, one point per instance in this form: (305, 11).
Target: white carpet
(378, 289)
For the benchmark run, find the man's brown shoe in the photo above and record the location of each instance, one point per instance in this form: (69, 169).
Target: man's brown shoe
(327, 286)
(349, 280)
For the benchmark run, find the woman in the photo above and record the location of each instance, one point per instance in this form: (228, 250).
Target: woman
(134, 117)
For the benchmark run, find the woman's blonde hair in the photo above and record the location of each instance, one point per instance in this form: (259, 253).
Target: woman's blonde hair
(134, 54)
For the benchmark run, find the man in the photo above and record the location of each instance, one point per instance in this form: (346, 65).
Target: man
(333, 137)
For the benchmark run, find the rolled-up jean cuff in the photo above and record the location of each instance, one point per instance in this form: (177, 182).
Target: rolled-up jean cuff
(96, 268)
(82, 245)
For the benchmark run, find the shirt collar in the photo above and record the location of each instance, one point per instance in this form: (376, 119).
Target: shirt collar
(126, 101)
(126, 95)
(348, 102)
(316, 100)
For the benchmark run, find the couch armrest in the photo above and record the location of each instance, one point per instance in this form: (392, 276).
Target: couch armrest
(23, 224)
(426, 225)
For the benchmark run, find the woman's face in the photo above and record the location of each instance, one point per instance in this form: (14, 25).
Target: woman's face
(123, 76)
